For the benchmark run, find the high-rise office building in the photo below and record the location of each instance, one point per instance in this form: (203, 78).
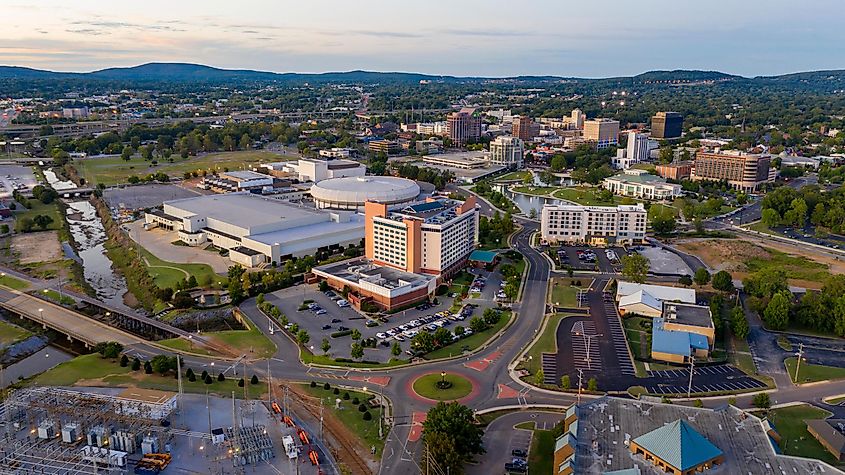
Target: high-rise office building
(525, 129)
(667, 125)
(638, 147)
(743, 171)
(507, 152)
(577, 119)
(464, 125)
(602, 132)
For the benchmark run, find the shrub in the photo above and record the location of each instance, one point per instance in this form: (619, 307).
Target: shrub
(221, 377)
(136, 364)
(313, 384)
(253, 380)
(124, 361)
(355, 400)
(336, 391)
(192, 377)
(204, 375)
(327, 386)
(345, 396)
(362, 408)
(208, 379)
(341, 334)
(241, 383)
(367, 416)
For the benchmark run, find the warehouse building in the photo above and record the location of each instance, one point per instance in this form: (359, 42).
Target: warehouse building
(256, 230)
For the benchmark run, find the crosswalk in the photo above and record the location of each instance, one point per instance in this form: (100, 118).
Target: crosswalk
(620, 343)
(549, 364)
(583, 333)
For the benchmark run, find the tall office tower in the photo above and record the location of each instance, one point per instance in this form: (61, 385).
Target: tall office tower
(464, 125)
(667, 125)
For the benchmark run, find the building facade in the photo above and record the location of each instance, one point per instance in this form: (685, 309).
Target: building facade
(507, 152)
(524, 128)
(602, 133)
(595, 225)
(464, 126)
(432, 237)
(675, 171)
(638, 147)
(667, 125)
(743, 171)
(641, 184)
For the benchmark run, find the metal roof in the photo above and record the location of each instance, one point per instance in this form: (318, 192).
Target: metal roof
(483, 256)
(675, 342)
(679, 445)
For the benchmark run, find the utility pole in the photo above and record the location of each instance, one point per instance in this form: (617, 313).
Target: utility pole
(321, 418)
(580, 375)
(691, 371)
(798, 364)
(179, 379)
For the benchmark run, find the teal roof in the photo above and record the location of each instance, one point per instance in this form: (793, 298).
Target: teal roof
(483, 256)
(679, 445)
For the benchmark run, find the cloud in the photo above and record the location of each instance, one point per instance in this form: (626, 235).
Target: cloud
(88, 31)
(109, 24)
(483, 32)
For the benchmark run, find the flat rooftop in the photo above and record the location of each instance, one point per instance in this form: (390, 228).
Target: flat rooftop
(354, 270)
(604, 426)
(687, 314)
(243, 209)
(315, 231)
(245, 175)
(150, 396)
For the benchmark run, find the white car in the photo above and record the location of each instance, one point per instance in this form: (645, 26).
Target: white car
(381, 336)
(342, 303)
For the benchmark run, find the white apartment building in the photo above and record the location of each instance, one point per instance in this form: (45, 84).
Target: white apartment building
(507, 152)
(336, 152)
(432, 128)
(641, 184)
(594, 225)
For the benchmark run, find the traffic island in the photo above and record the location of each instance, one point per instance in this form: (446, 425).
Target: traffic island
(442, 386)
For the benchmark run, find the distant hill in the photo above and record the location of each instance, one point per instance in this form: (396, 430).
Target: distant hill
(186, 72)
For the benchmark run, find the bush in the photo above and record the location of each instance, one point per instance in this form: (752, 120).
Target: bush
(204, 375)
(148, 368)
(136, 364)
(345, 396)
(192, 377)
(367, 416)
(241, 383)
(313, 384)
(327, 386)
(355, 400)
(208, 379)
(221, 377)
(253, 380)
(362, 408)
(336, 391)
(124, 361)
(341, 334)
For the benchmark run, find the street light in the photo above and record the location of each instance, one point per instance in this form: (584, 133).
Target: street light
(443, 377)
(41, 315)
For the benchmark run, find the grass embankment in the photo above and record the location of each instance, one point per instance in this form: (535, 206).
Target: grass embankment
(471, 342)
(56, 297)
(790, 422)
(545, 343)
(426, 386)
(168, 274)
(92, 370)
(809, 373)
(638, 334)
(13, 282)
(349, 415)
(181, 344)
(588, 196)
(540, 455)
(10, 334)
(114, 170)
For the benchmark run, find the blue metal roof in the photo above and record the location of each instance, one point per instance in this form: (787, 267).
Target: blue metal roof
(483, 256)
(423, 207)
(679, 445)
(676, 342)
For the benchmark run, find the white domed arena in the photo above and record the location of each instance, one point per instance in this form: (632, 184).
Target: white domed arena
(350, 193)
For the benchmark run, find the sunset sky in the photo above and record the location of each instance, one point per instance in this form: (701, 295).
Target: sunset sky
(466, 37)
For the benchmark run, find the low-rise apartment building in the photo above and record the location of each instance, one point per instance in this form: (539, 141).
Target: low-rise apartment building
(594, 225)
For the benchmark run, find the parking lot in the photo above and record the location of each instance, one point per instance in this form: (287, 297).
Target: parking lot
(721, 378)
(15, 177)
(589, 258)
(327, 318)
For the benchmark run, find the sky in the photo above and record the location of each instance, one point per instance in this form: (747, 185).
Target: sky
(593, 38)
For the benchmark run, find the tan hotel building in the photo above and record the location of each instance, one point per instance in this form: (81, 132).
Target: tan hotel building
(743, 171)
(434, 237)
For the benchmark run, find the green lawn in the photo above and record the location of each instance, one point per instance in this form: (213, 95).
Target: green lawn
(541, 453)
(784, 343)
(350, 416)
(13, 282)
(794, 266)
(563, 294)
(518, 175)
(796, 440)
(658, 209)
(167, 274)
(11, 333)
(324, 360)
(461, 282)
(472, 342)
(546, 343)
(108, 373)
(114, 170)
(56, 297)
(426, 386)
(760, 228)
(181, 344)
(37, 207)
(809, 373)
(536, 190)
(587, 196)
(252, 342)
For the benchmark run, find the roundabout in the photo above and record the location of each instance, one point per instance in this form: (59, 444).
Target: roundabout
(442, 386)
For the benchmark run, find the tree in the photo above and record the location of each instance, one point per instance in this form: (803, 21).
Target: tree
(765, 283)
(565, 384)
(162, 364)
(241, 383)
(326, 346)
(221, 377)
(109, 349)
(739, 324)
(25, 224)
(253, 380)
(148, 368)
(663, 223)
(450, 430)
(702, 276)
(685, 280)
(723, 281)
(539, 377)
(42, 221)
(136, 364)
(635, 268)
(477, 325)
(124, 361)
(776, 314)
(396, 350)
(442, 337)
(762, 400)
(592, 385)
(303, 337)
(126, 154)
(770, 217)
(441, 447)
(356, 334)
(422, 342)
(357, 351)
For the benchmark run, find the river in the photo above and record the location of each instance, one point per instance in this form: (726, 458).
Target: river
(90, 235)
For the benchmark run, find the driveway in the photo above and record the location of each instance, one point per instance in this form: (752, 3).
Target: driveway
(159, 243)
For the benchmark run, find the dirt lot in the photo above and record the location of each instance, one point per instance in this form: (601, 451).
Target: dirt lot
(37, 247)
(732, 255)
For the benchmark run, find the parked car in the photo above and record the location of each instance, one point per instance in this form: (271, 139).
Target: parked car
(320, 312)
(342, 303)
(519, 453)
(381, 335)
(327, 327)
(371, 323)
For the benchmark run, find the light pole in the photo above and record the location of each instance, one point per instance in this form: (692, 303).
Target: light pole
(798, 363)
(41, 316)
(443, 377)
(691, 371)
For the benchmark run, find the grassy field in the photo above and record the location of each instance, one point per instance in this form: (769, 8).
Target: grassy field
(94, 370)
(795, 267)
(471, 342)
(518, 175)
(544, 344)
(10, 333)
(536, 190)
(252, 342)
(167, 274)
(637, 331)
(586, 196)
(426, 386)
(13, 282)
(324, 360)
(809, 373)
(367, 431)
(657, 208)
(790, 424)
(461, 282)
(181, 344)
(56, 297)
(563, 294)
(51, 210)
(114, 170)
(540, 455)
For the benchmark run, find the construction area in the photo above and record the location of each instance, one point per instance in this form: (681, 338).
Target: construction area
(80, 431)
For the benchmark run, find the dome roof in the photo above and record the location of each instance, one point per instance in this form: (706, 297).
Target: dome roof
(357, 190)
